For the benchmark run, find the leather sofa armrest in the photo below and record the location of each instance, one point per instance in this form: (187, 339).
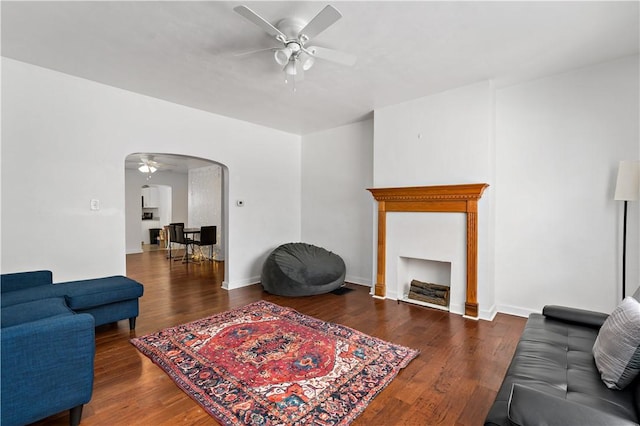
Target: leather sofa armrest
(528, 406)
(578, 316)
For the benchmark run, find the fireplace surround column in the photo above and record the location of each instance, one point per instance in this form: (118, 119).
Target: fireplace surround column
(442, 199)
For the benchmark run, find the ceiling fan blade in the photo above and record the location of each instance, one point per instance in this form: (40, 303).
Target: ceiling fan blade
(250, 52)
(323, 20)
(259, 21)
(332, 55)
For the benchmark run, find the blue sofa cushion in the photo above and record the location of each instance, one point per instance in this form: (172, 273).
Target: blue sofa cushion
(87, 294)
(82, 294)
(29, 295)
(24, 280)
(33, 311)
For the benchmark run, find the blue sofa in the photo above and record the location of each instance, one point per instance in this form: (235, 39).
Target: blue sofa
(108, 299)
(47, 333)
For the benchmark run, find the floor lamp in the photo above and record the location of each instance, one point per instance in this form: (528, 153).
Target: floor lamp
(627, 189)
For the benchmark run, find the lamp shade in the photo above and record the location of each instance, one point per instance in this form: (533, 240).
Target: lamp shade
(290, 68)
(308, 63)
(628, 182)
(282, 55)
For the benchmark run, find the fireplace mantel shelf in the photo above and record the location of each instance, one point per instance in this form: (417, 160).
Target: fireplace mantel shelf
(443, 199)
(418, 193)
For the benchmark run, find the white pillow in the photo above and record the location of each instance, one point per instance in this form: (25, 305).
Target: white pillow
(617, 348)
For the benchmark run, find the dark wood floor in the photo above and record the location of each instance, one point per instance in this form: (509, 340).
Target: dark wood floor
(452, 382)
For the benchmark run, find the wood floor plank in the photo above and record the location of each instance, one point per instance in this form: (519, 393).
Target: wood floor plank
(453, 380)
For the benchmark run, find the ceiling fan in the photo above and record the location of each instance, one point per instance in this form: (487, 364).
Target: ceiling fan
(147, 165)
(294, 34)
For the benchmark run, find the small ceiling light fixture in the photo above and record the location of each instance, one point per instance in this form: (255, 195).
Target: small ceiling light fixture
(146, 168)
(291, 73)
(307, 60)
(290, 68)
(291, 56)
(282, 55)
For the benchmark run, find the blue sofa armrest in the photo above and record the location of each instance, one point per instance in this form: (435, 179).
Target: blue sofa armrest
(46, 367)
(22, 280)
(574, 315)
(530, 407)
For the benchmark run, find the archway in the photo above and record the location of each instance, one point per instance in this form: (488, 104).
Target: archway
(188, 177)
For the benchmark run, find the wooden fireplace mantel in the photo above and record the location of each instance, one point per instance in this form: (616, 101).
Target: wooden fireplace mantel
(444, 199)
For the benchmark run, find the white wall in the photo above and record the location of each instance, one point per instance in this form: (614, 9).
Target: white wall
(76, 134)
(548, 148)
(549, 229)
(133, 211)
(165, 194)
(442, 139)
(436, 140)
(337, 168)
(205, 202)
(558, 229)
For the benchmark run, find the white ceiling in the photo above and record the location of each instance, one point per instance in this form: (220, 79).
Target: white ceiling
(183, 51)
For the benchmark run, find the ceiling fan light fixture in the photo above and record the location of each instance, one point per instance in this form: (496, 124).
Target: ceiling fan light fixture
(307, 61)
(282, 55)
(145, 168)
(290, 68)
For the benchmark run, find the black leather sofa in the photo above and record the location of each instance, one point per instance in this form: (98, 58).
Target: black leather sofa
(553, 379)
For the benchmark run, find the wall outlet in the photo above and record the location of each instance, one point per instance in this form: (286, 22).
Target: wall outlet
(95, 204)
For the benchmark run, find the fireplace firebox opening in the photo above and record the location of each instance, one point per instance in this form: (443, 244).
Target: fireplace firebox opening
(425, 282)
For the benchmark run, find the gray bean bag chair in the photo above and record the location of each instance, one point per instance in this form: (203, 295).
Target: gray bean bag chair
(299, 269)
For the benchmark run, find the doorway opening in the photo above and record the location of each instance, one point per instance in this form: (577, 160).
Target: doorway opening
(163, 188)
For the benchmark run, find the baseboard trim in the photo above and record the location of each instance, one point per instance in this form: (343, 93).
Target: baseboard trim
(515, 310)
(488, 314)
(358, 280)
(242, 283)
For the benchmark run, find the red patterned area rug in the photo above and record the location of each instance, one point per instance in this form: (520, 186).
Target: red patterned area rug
(265, 364)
